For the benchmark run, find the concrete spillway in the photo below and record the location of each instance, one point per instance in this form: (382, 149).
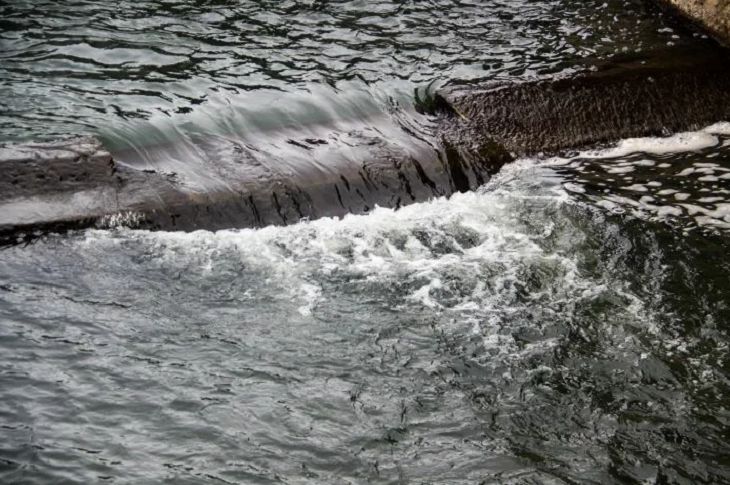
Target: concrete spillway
(75, 183)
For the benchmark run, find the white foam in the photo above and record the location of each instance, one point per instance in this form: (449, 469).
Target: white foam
(310, 293)
(686, 172)
(721, 128)
(466, 255)
(425, 247)
(423, 294)
(668, 210)
(121, 219)
(575, 188)
(620, 170)
(708, 178)
(677, 143)
(702, 178)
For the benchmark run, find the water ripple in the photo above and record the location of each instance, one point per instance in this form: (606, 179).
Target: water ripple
(54, 56)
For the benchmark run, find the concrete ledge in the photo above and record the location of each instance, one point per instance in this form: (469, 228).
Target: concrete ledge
(669, 91)
(59, 166)
(75, 183)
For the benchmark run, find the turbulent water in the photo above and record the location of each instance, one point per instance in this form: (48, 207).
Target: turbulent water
(566, 323)
(539, 330)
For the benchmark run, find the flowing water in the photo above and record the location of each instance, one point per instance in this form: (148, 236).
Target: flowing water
(170, 85)
(565, 323)
(79, 66)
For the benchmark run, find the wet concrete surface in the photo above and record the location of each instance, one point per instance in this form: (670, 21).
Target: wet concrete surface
(75, 183)
(650, 95)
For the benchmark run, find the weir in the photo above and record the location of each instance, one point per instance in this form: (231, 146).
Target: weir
(76, 183)
(562, 318)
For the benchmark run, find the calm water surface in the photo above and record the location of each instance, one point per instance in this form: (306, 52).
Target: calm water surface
(566, 323)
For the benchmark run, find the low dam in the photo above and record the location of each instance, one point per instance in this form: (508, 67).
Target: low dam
(383, 242)
(474, 131)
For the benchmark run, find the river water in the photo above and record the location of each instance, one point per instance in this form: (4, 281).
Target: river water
(565, 323)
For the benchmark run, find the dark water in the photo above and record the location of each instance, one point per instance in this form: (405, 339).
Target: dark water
(567, 323)
(147, 73)
(514, 335)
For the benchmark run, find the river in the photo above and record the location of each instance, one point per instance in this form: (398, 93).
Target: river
(565, 323)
